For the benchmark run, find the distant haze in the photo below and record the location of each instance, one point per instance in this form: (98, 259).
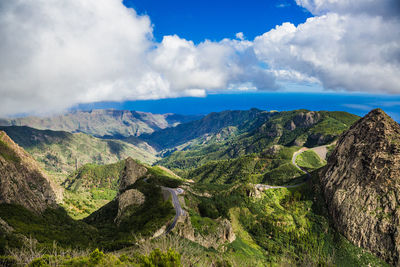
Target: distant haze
(358, 104)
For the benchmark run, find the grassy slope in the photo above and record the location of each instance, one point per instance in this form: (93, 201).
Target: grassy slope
(60, 152)
(270, 168)
(93, 186)
(263, 132)
(99, 229)
(212, 123)
(309, 160)
(284, 226)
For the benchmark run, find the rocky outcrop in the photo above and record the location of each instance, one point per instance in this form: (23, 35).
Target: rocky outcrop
(306, 119)
(216, 239)
(362, 186)
(132, 172)
(21, 180)
(128, 201)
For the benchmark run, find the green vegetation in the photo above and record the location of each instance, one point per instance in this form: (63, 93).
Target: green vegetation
(282, 226)
(225, 154)
(309, 160)
(52, 225)
(62, 152)
(91, 187)
(92, 176)
(144, 220)
(7, 153)
(169, 258)
(255, 135)
(272, 166)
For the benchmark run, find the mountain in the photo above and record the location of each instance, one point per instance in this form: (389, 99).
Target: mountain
(63, 152)
(212, 123)
(103, 122)
(226, 219)
(258, 134)
(21, 180)
(362, 187)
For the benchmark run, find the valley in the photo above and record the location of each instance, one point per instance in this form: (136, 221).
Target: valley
(231, 188)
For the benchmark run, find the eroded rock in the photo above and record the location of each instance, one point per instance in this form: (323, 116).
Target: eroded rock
(362, 186)
(132, 172)
(21, 180)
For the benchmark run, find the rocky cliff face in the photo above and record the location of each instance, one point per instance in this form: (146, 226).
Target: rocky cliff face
(132, 172)
(362, 185)
(21, 180)
(129, 199)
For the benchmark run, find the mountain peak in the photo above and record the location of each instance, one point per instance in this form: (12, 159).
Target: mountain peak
(377, 115)
(361, 185)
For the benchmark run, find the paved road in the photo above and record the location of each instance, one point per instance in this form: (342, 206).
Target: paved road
(294, 161)
(294, 157)
(178, 209)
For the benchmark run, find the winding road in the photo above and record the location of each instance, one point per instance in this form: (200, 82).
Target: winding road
(178, 209)
(294, 157)
(176, 191)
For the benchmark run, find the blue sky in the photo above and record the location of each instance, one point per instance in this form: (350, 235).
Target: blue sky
(215, 20)
(211, 55)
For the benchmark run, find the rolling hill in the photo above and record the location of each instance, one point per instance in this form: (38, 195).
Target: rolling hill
(64, 152)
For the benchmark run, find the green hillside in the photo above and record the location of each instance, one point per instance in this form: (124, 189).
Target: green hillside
(289, 128)
(212, 123)
(310, 160)
(63, 152)
(272, 168)
(227, 221)
(92, 186)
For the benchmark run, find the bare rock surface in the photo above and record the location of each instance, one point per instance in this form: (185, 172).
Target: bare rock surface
(132, 172)
(21, 180)
(131, 198)
(362, 185)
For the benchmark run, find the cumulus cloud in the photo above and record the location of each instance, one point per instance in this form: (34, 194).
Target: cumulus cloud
(346, 46)
(59, 53)
(371, 7)
(55, 54)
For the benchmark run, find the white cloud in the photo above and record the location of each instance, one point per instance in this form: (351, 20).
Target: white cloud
(282, 5)
(240, 36)
(55, 54)
(372, 7)
(356, 52)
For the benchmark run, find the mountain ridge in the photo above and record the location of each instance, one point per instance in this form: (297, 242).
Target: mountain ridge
(107, 123)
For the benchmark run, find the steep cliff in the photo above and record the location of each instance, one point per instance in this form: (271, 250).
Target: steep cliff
(362, 185)
(21, 180)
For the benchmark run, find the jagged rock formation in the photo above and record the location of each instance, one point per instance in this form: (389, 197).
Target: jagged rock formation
(132, 172)
(21, 180)
(129, 199)
(362, 186)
